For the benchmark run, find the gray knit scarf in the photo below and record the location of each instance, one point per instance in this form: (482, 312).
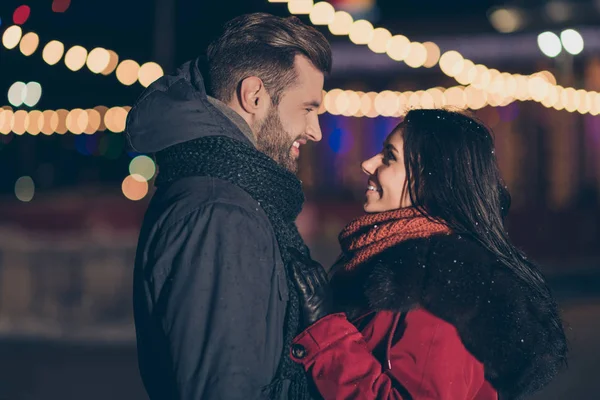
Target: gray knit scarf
(279, 193)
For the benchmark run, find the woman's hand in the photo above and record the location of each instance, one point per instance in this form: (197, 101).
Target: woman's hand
(313, 287)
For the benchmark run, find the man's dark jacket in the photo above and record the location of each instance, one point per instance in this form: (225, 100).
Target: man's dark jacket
(210, 292)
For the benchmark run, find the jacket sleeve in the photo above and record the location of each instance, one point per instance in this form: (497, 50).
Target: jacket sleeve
(213, 304)
(428, 363)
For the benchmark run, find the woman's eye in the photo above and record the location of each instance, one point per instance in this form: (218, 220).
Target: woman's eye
(388, 155)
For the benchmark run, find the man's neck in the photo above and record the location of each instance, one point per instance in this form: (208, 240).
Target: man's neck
(235, 118)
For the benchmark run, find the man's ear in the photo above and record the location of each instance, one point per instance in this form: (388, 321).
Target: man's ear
(253, 96)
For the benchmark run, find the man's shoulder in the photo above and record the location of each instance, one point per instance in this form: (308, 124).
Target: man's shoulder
(199, 195)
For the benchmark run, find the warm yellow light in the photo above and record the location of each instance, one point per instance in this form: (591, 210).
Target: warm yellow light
(455, 96)
(371, 112)
(342, 102)
(379, 41)
(438, 97)
(53, 52)
(570, 99)
(12, 36)
(6, 120)
(127, 72)
(427, 101)
(342, 23)
(322, 13)
(361, 32)
(330, 101)
(482, 76)
(387, 103)
(468, 73)
(476, 98)
(18, 122)
(61, 127)
(299, 7)
(398, 47)
(29, 43)
(353, 103)
(75, 58)
(93, 121)
(417, 55)
(34, 122)
(538, 88)
(77, 121)
(506, 20)
(149, 72)
(98, 60)
(585, 101)
(112, 63)
(433, 54)
(451, 63)
(50, 122)
(134, 187)
(114, 119)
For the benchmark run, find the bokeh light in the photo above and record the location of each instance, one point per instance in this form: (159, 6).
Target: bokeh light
(60, 6)
(300, 6)
(12, 36)
(341, 24)
(433, 54)
(25, 188)
(53, 52)
(21, 14)
(112, 63)
(134, 187)
(549, 44)
(127, 72)
(33, 94)
(572, 41)
(29, 43)
(17, 93)
(75, 58)
(149, 72)
(142, 166)
(361, 32)
(379, 41)
(98, 60)
(398, 47)
(322, 13)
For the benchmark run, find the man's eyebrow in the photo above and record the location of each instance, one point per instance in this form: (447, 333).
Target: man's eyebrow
(313, 103)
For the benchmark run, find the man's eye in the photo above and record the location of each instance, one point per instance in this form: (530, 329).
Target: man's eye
(309, 109)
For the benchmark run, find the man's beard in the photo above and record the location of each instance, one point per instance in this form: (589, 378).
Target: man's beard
(274, 141)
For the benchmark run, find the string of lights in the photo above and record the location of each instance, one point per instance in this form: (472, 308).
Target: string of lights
(348, 103)
(451, 63)
(98, 60)
(49, 122)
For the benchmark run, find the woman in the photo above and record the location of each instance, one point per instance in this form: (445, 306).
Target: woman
(438, 303)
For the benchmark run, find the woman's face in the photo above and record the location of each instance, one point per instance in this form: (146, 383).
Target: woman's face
(386, 186)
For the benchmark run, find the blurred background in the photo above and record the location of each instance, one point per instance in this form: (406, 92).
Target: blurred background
(72, 197)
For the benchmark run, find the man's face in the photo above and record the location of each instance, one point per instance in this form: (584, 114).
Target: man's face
(295, 120)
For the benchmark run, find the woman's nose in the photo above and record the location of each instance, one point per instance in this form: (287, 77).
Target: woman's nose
(370, 166)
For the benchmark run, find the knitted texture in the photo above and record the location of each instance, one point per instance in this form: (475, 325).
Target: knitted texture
(278, 192)
(371, 234)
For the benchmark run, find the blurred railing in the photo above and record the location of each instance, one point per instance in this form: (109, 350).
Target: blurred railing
(73, 288)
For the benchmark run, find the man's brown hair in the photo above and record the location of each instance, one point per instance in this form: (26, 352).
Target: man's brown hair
(265, 46)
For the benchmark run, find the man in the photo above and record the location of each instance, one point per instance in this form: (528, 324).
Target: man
(213, 308)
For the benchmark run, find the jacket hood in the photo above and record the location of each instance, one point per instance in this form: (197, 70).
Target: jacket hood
(176, 109)
(516, 333)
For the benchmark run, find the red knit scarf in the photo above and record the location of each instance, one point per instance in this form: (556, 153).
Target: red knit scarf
(371, 234)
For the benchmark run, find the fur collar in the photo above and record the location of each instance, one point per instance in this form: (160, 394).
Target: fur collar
(516, 334)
